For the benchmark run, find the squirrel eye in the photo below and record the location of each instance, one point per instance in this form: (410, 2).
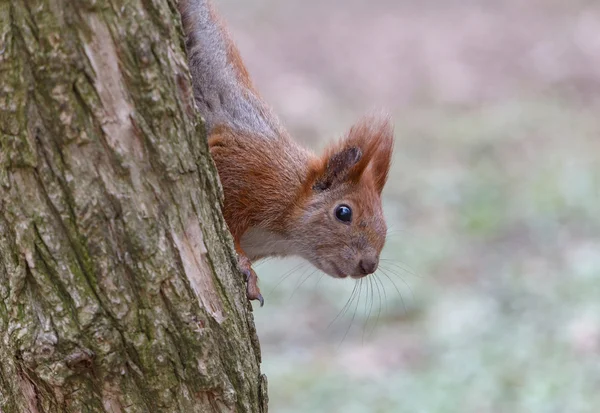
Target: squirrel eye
(343, 213)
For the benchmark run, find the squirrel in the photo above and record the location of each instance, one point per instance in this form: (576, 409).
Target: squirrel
(281, 199)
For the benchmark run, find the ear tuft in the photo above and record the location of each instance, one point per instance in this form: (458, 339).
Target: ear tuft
(365, 151)
(337, 168)
(375, 136)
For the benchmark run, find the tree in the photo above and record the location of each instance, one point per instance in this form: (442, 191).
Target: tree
(118, 282)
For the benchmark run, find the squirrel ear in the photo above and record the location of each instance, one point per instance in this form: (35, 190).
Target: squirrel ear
(366, 150)
(338, 167)
(375, 136)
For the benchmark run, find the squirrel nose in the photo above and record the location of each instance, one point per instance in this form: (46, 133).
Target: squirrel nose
(368, 265)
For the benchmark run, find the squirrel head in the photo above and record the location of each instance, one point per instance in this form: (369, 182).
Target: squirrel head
(341, 202)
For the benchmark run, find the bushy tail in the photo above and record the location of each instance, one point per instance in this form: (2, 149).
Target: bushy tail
(222, 87)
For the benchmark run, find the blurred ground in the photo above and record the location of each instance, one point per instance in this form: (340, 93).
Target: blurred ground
(493, 203)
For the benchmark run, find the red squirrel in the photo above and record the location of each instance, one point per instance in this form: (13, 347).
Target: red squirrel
(280, 199)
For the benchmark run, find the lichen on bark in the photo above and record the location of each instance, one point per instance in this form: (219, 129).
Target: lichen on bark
(118, 283)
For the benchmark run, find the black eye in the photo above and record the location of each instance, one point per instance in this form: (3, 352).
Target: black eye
(343, 213)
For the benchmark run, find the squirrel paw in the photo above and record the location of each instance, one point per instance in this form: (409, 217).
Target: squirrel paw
(252, 290)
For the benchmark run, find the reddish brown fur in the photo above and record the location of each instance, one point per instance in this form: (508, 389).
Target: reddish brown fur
(269, 184)
(259, 177)
(375, 139)
(280, 199)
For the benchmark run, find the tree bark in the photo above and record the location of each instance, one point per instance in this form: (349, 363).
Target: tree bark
(119, 290)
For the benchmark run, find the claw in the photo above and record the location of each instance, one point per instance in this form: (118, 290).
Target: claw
(252, 290)
(258, 297)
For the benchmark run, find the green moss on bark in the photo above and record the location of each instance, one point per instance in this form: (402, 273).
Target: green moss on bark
(111, 299)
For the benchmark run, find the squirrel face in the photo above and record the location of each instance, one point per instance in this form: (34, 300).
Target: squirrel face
(347, 231)
(343, 229)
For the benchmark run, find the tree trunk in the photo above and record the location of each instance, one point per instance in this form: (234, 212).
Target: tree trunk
(119, 290)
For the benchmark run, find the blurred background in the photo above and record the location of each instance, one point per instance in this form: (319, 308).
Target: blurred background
(488, 297)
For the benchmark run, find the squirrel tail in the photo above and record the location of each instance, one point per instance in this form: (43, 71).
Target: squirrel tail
(222, 87)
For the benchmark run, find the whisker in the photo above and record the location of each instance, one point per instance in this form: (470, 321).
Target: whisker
(355, 309)
(377, 282)
(365, 309)
(301, 277)
(319, 280)
(348, 302)
(356, 294)
(401, 279)
(407, 269)
(369, 287)
(287, 275)
(262, 262)
(397, 232)
(303, 281)
(396, 287)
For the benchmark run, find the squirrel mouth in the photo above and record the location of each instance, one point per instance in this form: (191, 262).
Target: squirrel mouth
(338, 273)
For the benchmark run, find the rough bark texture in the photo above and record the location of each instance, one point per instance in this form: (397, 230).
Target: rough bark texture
(118, 286)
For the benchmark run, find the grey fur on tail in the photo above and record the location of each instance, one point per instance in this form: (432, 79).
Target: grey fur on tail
(221, 97)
